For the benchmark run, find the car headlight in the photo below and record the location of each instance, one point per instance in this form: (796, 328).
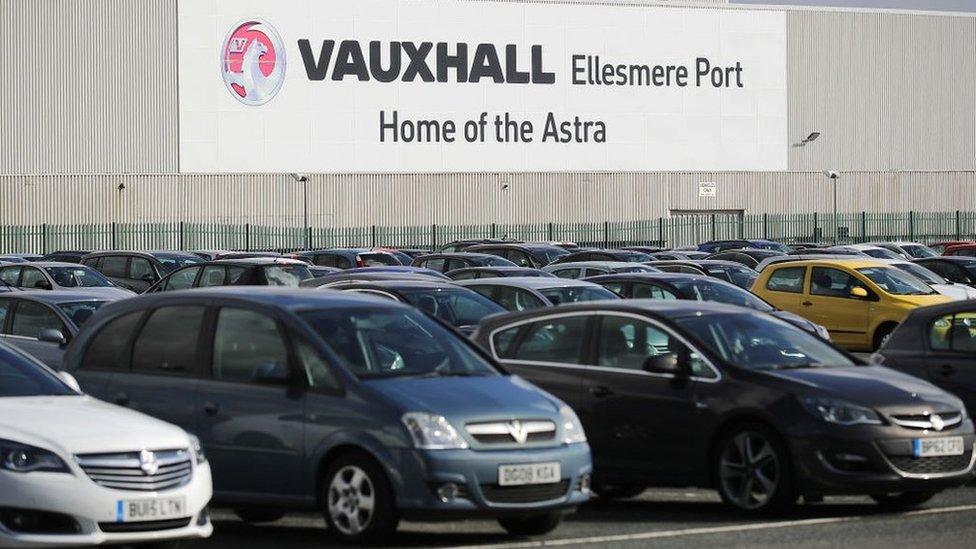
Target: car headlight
(840, 412)
(24, 458)
(572, 428)
(197, 449)
(432, 432)
(822, 332)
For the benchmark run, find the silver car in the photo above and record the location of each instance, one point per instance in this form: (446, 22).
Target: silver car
(524, 293)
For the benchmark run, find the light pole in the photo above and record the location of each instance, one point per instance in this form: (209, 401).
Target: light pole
(303, 179)
(834, 176)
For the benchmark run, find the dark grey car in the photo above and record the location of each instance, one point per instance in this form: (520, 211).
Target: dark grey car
(137, 271)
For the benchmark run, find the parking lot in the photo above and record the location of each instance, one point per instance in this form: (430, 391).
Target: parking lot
(662, 518)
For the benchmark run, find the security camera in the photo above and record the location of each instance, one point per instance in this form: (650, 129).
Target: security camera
(299, 177)
(831, 174)
(505, 187)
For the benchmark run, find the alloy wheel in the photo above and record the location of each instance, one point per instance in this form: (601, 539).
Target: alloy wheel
(749, 471)
(351, 500)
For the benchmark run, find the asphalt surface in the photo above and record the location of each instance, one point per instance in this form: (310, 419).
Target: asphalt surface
(661, 518)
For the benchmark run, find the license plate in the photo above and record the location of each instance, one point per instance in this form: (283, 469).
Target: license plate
(138, 510)
(935, 447)
(529, 473)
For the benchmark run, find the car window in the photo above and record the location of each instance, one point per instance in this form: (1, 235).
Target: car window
(141, 269)
(435, 264)
(244, 343)
(828, 282)
(503, 341)
(286, 275)
(81, 311)
(568, 273)
(378, 259)
(115, 265)
(213, 275)
(519, 258)
(325, 260)
(554, 340)
(20, 377)
(30, 319)
(650, 291)
(107, 348)
(234, 275)
(467, 275)
(457, 308)
(33, 278)
(171, 262)
(627, 343)
(789, 279)
(955, 333)
(4, 307)
(614, 286)
(707, 289)
(896, 282)
(182, 279)
(318, 374)
(167, 343)
(577, 294)
(10, 275)
(516, 299)
(78, 276)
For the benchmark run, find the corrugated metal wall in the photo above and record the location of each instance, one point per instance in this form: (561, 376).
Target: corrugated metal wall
(89, 86)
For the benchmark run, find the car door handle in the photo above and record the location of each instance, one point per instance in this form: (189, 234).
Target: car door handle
(807, 304)
(600, 391)
(947, 370)
(122, 399)
(211, 408)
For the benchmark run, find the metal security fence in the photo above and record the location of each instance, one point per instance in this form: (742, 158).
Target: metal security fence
(678, 230)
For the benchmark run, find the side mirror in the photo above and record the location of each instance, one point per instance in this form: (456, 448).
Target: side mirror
(859, 292)
(69, 380)
(149, 278)
(42, 285)
(664, 364)
(272, 373)
(52, 336)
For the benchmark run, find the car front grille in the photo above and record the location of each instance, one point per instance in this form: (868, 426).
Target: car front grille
(926, 422)
(524, 494)
(148, 526)
(139, 471)
(512, 432)
(941, 465)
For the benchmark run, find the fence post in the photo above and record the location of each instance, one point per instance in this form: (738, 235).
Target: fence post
(864, 227)
(433, 237)
(549, 231)
(713, 227)
(372, 235)
(606, 234)
(815, 226)
(44, 238)
(181, 236)
(958, 225)
(911, 225)
(660, 231)
(494, 229)
(247, 237)
(113, 235)
(765, 227)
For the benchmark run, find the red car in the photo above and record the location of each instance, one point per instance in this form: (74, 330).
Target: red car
(941, 247)
(968, 250)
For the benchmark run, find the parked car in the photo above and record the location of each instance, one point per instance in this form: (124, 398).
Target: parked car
(257, 271)
(348, 258)
(860, 302)
(676, 255)
(42, 323)
(965, 250)
(210, 255)
(957, 269)
(583, 269)
(748, 257)
(618, 256)
(520, 294)
(345, 276)
(729, 271)
(137, 271)
(76, 471)
(938, 283)
(937, 344)
(736, 400)
(940, 247)
(67, 277)
(646, 249)
(830, 250)
(908, 250)
(362, 408)
(876, 252)
(528, 254)
(458, 307)
(413, 252)
(19, 258)
(697, 288)
(319, 272)
(463, 245)
(469, 273)
(716, 246)
(444, 262)
(65, 256)
(246, 255)
(780, 259)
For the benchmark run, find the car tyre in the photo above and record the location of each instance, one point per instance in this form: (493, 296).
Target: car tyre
(903, 500)
(251, 515)
(616, 491)
(754, 471)
(531, 525)
(881, 336)
(357, 500)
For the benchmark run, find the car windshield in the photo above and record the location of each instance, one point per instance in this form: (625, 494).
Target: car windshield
(495, 261)
(708, 290)
(286, 275)
(921, 273)
(880, 253)
(770, 246)
(742, 277)
(458, 307)
(550, 254)
(77, 277)
(80, 311)
(171, 262)
(576, 294)
(632, 257)
(918, 251)
(634, 269)
(759, 342)
(896, 282)
(378, 259)
(383, 342)
(20, 377)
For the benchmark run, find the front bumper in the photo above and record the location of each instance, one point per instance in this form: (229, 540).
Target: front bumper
(877, 459)
(420, 473)
(94, 507)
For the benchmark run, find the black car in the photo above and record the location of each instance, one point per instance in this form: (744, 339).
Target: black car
(348, 258)
(937, 343)
(957, 269)
(463, 245)
(257, 271)
(137, 271)
(697, 288)
(679, 255)
(646, 249)
(469, 273)
(65, 256)
(746, 256)
(459, 307)
(447, 262)
(685, 393)
(716, 246)
(529, 254)
(729, 271)
(830, 250)
(624, 256)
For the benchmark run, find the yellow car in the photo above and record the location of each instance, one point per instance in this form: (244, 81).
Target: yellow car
(860, 302)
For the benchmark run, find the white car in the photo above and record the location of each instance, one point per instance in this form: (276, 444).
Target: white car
(76, 471)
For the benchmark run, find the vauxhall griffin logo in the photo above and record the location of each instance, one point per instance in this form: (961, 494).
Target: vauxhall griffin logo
(148, 463)
(252, 62)
(518, 431)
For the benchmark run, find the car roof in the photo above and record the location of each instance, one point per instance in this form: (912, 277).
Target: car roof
(470, 255)
(52, 264)
(54, 297)
(843, 262)
(292, 299)
(403, 284)
(697, 263)
(527, 282)
(664, 277)
(951, 258)
(142, 252)
(611, 264)
(500, 268)
(254, 261)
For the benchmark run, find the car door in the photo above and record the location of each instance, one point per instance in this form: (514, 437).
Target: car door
(784, 289)
(213, 275)
(182, 279)
(116, 269)
(251, 408)
(10, 276)
(950, 271)
(141, 275)
(27, 320)
(641, 423)
(33, 279)
(828, 302)
(108, 353)
(951, 360)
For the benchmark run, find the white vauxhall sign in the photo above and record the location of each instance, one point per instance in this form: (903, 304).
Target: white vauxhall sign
(707, 189)
(467, 85)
